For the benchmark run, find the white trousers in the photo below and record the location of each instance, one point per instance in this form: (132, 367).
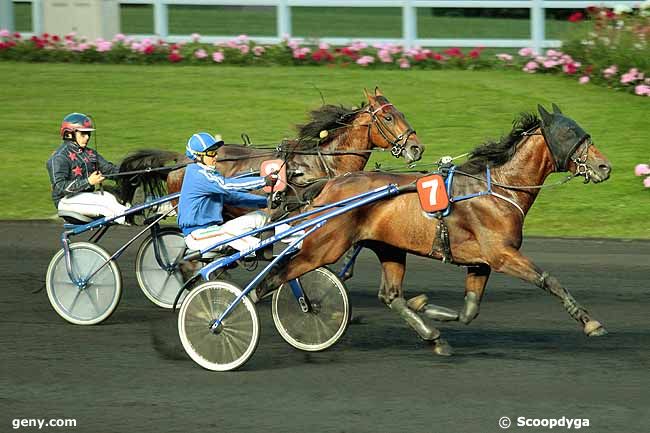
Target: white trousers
(94, 204)
(204, 238)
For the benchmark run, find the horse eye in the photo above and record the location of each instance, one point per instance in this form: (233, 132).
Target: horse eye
(388, 118)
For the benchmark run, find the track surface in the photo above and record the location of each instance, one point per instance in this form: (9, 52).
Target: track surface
(522, 357)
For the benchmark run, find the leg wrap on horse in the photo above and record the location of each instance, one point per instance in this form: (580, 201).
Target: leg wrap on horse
(470, 309)
(425, 331)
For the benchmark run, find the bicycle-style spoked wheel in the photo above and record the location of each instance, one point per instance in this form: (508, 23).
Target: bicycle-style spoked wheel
(158, 284)
(234, 342)
(325, 322)
(93, 303)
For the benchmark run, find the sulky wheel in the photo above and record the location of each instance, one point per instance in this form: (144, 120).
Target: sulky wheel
(328, 315)
(234, 342)
(88, 300)
(161, 278)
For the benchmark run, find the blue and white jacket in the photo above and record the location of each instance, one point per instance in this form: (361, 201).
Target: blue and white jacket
(205, 191)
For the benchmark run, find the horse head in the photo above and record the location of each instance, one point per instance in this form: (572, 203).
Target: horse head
(572, 148)
(390, 129)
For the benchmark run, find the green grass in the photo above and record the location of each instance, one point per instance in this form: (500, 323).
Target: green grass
(316, 22)
(453, 111)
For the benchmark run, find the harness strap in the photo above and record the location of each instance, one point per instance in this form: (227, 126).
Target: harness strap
(509, 200)
(441, 242)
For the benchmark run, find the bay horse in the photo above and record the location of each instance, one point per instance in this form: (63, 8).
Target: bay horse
(484, 234)
(335, 141)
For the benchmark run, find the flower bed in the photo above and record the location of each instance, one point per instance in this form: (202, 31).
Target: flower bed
(615, 53)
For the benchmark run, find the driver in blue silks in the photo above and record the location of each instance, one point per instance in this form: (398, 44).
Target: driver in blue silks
(204, 193)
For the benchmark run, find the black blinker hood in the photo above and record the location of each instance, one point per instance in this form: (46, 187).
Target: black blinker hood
(562, 135)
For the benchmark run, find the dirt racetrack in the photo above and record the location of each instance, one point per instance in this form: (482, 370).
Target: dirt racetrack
(522, 357)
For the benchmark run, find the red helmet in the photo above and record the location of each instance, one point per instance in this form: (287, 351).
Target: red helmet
(76, 122)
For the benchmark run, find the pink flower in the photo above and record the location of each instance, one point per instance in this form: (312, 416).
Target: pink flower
(530, 67)
(200, 54)
(550, 64)
(103, 46)
(301, 53)
(323, 46)
(258, 50)
(504, 57)
(244, 49)
(610, 72)
(365, 60)
(384, 56)
(642, 170)
(631, 76)
(119, 37)
(526, 52)
(217, 57)
(642, 90)
(584, 79)
(4, 33)
(646, 182)
(404, 63)
(195, 37)
(553, 53)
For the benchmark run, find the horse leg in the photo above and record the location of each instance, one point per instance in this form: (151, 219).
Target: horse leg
(475, 282)
(512, 262)
(350, 260)
(393, 263)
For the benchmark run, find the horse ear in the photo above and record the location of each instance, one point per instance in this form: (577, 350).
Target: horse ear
(378, 92)
(556, 109)
(546, 116)
(371, 98)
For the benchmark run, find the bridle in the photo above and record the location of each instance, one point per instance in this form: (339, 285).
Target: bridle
(398, 141)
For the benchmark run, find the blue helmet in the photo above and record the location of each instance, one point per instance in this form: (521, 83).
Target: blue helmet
(200, 142)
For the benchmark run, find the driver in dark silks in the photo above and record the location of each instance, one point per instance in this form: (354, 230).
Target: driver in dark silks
(75, 170)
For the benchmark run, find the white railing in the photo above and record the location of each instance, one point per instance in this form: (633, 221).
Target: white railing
(409, 8)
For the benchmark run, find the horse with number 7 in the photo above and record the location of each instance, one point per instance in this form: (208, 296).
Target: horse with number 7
(481, 229)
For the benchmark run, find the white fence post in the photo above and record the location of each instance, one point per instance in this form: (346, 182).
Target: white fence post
(409, 23)
(160, 19)
(537, 25)
(37, 17)
(7, 15)
(283, 11)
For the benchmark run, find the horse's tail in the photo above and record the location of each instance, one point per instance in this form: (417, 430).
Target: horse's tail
(153, 183)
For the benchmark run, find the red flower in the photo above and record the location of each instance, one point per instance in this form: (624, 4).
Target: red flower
(420, 57)
(322, 54)
(55, 38)
(576, 17)
(3, 46)
(591, 10)
(475, 53)
(46, 35)
(610, 14)
(570, 68)
(17, 35)
(34, 39)
(439, 57)
(347, 51)
(10, 44)
(589, 69)
(149, 49)
(174, 47)
(175, 57)
(454, 52)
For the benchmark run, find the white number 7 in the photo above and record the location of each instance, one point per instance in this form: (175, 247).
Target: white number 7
(433, 184)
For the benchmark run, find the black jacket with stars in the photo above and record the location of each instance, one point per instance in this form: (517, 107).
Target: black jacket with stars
(69, 168)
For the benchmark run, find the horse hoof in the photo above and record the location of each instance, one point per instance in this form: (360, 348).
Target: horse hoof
(593, 328)
(442, 348)
(417, 303)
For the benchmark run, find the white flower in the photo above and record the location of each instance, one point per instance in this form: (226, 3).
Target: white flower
(622, 9)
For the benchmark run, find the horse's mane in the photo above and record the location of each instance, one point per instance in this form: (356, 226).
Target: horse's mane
(496, 153)
(327, 117)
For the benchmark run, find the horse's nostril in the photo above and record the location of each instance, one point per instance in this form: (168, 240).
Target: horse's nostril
(605, 168)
